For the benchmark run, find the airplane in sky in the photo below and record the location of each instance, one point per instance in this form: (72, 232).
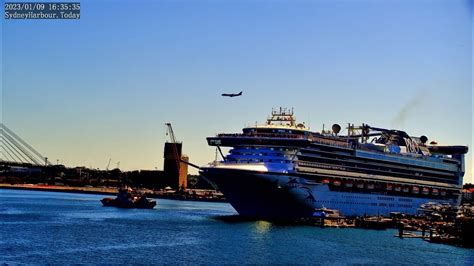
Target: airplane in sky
(232, 94)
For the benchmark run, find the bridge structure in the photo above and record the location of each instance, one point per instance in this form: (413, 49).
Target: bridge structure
(16, 151)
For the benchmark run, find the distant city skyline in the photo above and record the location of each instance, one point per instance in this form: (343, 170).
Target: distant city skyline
(102, 87)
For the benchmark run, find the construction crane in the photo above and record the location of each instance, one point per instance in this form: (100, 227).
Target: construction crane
(107, 168)
(173, 144)
(170, 132)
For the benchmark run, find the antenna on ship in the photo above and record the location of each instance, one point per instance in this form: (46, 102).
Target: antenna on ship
(350, 131)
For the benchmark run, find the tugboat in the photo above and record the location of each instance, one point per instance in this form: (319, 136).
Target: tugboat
(127, 198)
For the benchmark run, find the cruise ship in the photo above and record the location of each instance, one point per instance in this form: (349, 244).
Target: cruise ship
(282, 170)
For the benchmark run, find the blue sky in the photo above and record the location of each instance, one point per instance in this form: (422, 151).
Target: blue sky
(84, 91)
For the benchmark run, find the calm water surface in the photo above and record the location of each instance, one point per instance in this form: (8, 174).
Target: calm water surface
(50, 227)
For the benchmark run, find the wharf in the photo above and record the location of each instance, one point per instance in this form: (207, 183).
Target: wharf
(200, 195)
(436, 223)
(67, 189)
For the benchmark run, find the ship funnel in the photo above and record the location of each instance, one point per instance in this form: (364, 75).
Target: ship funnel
(336, 128)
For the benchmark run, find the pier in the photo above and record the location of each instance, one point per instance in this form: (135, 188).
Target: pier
(435, 223)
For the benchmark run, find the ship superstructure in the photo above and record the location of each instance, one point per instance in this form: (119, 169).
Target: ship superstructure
(282, 170)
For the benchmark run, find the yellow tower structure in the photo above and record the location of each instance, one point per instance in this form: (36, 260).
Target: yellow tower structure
(183, 172)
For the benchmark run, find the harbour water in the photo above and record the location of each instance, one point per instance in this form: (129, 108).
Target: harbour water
(51, 227)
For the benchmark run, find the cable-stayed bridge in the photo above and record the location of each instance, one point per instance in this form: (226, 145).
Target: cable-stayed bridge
(15, 150)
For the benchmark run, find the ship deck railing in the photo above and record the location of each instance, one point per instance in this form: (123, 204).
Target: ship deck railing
(265, 135)
(331, 142)
(327, 141)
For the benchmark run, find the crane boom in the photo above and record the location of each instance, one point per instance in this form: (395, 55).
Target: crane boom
(173, 145)
(171, 132)
(107, 168)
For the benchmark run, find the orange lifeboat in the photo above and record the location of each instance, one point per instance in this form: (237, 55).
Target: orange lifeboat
(337, 183)
(425, 191)
(415, 190)
(435, 192)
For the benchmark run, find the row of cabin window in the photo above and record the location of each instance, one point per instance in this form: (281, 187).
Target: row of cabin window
(363, 203)
(257, 154)
(259, 160)
(358, 203)
(386, 198)
(262, 148)
(276, 131)
(356, 197)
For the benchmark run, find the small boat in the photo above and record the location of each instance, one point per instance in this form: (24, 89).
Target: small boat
(415, 190)
(127, 198)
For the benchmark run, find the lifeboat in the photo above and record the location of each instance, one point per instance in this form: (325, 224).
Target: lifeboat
(360, 185)
(425, 191)
(398, 188)
(435, 192)
(370, 186)
(406, 189)
(389, 187)
(349, 184)
(326, 181)
(443, 193)
(415, 190)
(337, 183)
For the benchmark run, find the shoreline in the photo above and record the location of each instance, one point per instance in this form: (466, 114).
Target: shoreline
(67, 189)
(101, 191)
